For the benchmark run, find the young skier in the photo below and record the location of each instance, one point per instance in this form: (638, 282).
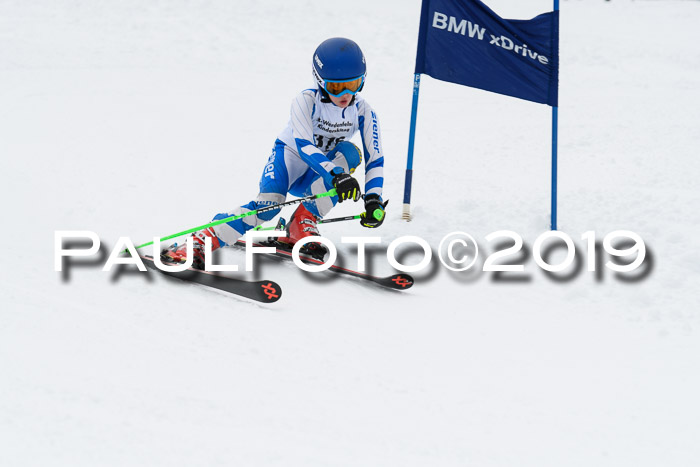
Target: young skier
(311, 156)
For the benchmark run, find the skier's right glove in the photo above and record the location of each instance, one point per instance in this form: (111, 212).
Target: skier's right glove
(345, 185)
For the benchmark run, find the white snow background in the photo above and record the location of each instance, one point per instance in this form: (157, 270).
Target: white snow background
(137, 119)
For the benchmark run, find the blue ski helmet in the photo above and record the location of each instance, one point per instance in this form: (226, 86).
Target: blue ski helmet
(339, 66)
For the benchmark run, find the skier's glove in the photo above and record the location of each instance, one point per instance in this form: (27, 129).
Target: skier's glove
(346, 186)
(374, 211)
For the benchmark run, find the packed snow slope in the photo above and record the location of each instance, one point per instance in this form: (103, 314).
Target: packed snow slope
(137, 119)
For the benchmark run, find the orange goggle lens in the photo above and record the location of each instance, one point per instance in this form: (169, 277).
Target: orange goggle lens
(338, 89)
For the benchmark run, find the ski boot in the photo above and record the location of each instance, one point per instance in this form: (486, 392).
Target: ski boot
(302, 224)
(177, 254)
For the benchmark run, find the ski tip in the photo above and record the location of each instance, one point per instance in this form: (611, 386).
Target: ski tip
(270, 291)
(401, 281)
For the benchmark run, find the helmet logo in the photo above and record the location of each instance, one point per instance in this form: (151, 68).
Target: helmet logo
(318, 61)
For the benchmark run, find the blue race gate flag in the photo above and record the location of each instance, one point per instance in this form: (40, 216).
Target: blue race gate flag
(465, 42)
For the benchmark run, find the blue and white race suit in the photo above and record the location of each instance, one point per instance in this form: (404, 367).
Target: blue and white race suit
(315, 141)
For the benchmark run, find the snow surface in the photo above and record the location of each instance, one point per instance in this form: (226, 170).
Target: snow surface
(137, 119)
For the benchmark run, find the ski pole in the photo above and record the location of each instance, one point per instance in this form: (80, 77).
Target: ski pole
(330, 192)
(338, 219)
(322, 221)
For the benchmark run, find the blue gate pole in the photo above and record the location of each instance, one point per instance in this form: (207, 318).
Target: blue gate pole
(409, 162)
(554, 167)
(555, 129)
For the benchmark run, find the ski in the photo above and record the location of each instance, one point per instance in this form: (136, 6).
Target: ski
(395, 281)
(261, 291)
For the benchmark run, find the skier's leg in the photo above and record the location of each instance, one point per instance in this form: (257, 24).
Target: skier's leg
(282, 167)
(302, 224)
(346, 155)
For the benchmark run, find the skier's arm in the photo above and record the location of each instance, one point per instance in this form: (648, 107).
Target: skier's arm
(303, 133)
(372, 146)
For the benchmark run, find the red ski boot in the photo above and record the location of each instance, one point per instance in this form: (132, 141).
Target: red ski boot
(302, 225)
(177, 254)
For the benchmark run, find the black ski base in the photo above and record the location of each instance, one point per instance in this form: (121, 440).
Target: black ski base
(284, 251)
(261, 291)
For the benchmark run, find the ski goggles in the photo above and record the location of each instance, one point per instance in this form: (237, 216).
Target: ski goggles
(337, 88)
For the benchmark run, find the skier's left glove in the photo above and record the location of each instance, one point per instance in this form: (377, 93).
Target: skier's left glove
(374, 211)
